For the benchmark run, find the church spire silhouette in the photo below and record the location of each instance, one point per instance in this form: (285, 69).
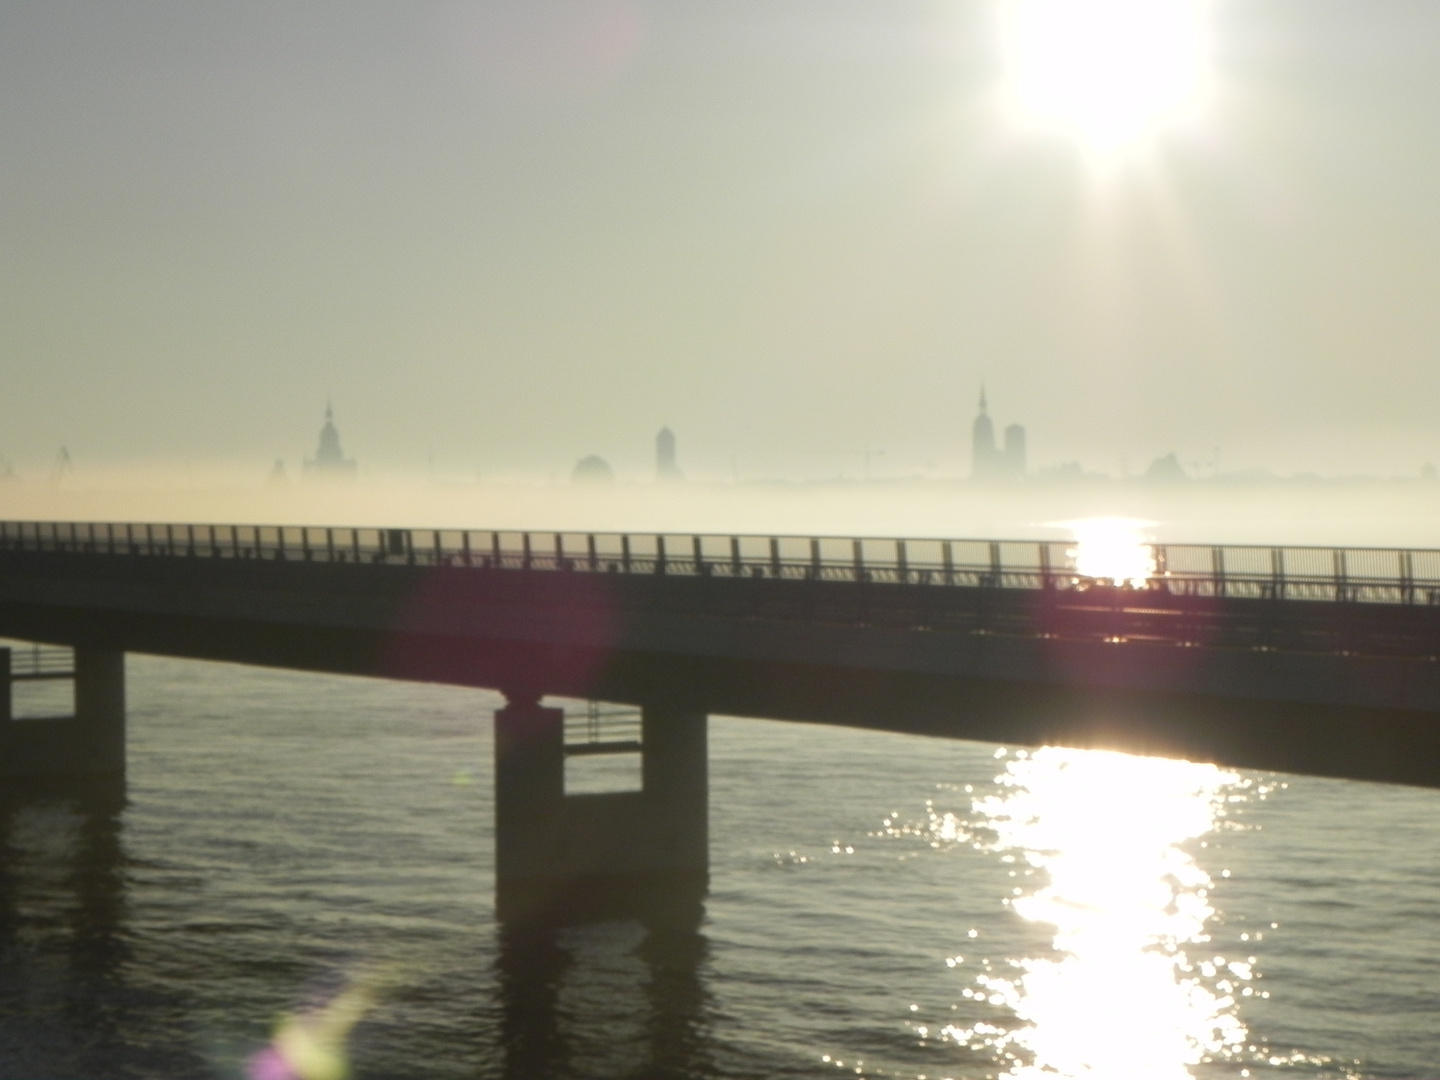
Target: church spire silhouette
(329, 460)
(989, 461)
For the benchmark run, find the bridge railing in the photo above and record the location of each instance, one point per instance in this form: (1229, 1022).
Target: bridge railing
(1351, 575)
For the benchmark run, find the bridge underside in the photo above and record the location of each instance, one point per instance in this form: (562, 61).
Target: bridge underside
(1344, 740)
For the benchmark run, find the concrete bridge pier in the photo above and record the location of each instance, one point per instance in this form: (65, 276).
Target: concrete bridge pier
(562, 857)
(89, 743)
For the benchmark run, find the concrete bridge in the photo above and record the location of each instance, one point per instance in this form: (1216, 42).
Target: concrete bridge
(1295, 659)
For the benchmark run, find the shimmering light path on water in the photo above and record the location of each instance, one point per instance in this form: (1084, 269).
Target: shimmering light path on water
(878, 902)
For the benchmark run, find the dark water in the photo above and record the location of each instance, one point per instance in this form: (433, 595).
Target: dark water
(296, 843)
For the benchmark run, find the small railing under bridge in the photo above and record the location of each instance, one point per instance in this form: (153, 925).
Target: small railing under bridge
(1363, 575)
(32, 661)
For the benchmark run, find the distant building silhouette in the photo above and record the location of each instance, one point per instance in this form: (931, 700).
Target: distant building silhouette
(982, 443)
(991, 462)
(666, 468)
(329, 461)
(592, 471)
(1013, 456)
(1166, 470)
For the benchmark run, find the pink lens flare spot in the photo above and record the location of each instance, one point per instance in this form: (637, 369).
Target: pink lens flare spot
(270, 1064)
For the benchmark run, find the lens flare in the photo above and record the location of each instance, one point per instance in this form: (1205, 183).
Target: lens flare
(1112, 550)
(311, 1045)
(1123, 1001)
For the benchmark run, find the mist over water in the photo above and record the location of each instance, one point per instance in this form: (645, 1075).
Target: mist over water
(1295, 512)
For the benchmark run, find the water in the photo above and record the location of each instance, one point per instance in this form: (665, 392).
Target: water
(880, 906)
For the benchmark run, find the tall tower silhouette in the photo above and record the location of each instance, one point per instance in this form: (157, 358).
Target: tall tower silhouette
(1014, 452)
(666, 468)
(983, 454)
(988, 461)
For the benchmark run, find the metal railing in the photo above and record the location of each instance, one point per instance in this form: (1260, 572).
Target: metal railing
(602, 728)
(1349, 575)
(34, 661)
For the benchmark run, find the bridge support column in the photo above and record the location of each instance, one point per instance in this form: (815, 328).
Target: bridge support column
(100, 709)
(89, 743)
(560, 857)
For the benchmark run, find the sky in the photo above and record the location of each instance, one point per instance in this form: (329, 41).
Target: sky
(501, 235)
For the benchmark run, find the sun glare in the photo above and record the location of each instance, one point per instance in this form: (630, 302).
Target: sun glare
(1135, 988)
(1110, 74)
(1113, 550)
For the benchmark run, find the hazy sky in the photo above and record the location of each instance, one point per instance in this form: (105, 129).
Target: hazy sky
(516, 233)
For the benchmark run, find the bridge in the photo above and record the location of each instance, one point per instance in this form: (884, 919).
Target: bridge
(1296, 659)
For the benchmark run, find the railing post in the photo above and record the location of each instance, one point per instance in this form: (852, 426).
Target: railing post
(1217, 569)
(659, 553)
(902, 567)
(590, 550)
(305, 543)
(465, 547)
(995, 565)
(1277, 573)
(859, 555)
(625, 552)
(1407, 577)
(525, 551)
(1046, 581)
(775, 556)
(1338, 559)
(815, 557)
(735, 564)
(560, 563)
(329, 544)
(699, 554)
(947, 562)
(495, 549)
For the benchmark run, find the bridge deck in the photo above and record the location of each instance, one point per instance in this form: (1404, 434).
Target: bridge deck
(1287, 658)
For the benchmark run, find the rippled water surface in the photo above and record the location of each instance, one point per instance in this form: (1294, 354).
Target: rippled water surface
(299, 851)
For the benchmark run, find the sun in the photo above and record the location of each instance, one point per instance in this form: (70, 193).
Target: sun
(1109, 74)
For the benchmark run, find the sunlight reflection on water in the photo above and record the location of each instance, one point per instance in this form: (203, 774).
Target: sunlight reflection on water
(1107, 836)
